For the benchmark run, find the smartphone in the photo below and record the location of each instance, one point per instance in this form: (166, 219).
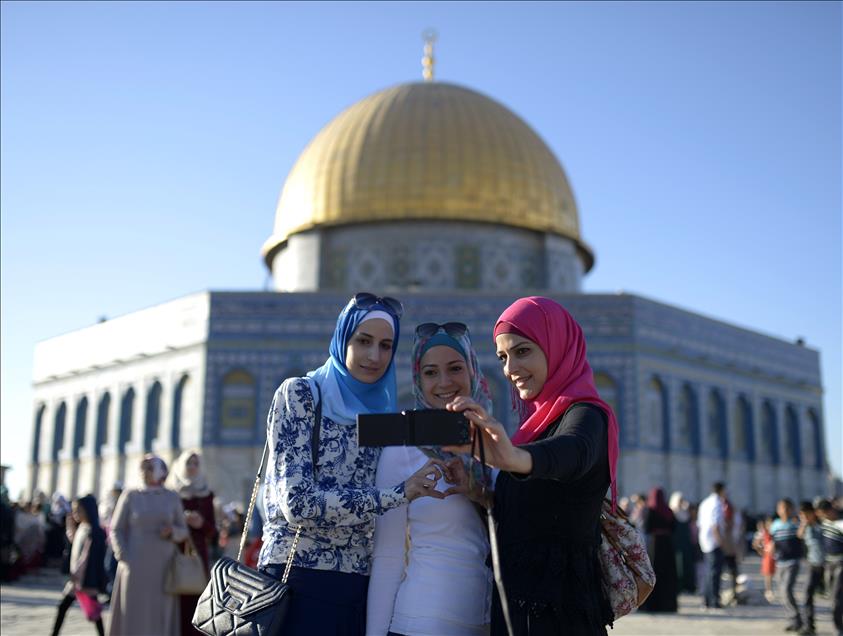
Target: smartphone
(423, 427)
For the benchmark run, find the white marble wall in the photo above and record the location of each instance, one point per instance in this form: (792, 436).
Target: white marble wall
(90, 473)
(162, 344)
(753, 485)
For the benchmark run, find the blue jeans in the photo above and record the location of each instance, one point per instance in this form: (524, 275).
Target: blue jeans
(713, 572)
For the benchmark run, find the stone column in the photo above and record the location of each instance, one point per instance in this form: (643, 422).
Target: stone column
(68, 466)
(110, 460)
(35, 446)
(134, 448)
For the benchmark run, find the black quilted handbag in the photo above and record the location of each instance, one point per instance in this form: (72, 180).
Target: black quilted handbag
(238, 600)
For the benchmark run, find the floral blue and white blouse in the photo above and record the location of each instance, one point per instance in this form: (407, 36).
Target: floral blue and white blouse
(336, 512)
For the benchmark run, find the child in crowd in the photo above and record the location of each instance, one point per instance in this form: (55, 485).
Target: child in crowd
(763, 544)
(87, 569)
(811, 534)
(788, 553)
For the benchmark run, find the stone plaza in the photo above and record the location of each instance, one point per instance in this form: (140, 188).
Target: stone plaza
(28, 607)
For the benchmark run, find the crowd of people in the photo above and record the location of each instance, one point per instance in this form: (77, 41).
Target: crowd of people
(692, 546)
(393, 541)
(118, 551)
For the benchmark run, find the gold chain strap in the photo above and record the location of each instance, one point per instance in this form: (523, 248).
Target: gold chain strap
(292, 554)
(248, 523)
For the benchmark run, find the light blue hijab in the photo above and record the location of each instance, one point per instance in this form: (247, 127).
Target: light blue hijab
(343, 397)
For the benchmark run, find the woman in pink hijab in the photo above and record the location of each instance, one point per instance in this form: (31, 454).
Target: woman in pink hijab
(555, 472)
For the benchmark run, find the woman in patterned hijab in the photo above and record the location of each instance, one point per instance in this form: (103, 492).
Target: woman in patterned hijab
(437, 581)
(445, 365)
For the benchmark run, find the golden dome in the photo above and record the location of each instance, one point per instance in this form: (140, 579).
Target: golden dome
(427, 151)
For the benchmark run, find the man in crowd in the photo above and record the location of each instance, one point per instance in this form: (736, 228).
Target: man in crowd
(811, 534)
(832, 531)
(711, 524)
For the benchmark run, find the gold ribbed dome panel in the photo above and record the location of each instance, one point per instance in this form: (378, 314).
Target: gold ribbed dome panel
(427, 150)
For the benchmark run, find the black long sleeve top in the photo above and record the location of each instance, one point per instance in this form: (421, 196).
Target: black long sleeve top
(549, 521)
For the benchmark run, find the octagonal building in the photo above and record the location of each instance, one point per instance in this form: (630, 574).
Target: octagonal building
(441, 196)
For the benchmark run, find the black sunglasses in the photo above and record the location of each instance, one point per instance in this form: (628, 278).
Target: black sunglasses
(453, 329)
(365, 300)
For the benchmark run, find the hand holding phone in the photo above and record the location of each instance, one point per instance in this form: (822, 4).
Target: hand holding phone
(499, 450)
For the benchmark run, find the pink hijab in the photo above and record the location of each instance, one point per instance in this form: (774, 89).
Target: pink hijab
(569, 376)
(658, 504)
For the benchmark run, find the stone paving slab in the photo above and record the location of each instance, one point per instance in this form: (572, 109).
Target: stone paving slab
(28, 608)
(755, 619)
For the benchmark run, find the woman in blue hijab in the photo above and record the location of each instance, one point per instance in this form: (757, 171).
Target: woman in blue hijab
(332, 506)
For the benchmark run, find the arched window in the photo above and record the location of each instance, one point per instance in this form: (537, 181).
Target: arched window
(791, 431)
(654, 431)
(716, 429)
(127, 408)
(769, 437)
(609, 391)
(239, 391)
(742, 437)
(178, 412)
(58, 431)
(153, 416)
(79, 426)
(817, 439)
(36, 437)
(101, 437)
(686, 430)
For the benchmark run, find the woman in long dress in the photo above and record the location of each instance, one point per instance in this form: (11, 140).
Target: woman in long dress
(659, 524)
(437, 582)
(188, 480)
(686, 569)
(148, 522)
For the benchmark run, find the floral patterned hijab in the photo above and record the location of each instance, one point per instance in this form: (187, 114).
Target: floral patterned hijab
(479, 392)
(462, 345)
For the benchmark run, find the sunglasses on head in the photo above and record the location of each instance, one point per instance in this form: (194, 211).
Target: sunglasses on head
(365, 300)
(453, 329)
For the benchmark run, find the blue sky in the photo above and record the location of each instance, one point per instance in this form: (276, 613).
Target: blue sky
(144, 146)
